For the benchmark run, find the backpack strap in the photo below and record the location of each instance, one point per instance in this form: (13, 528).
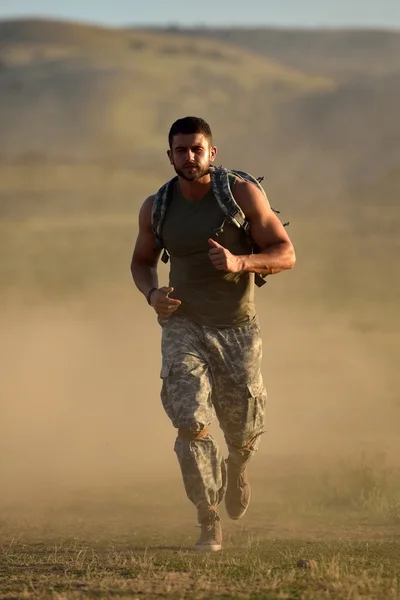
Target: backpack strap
(160, 205)
(222, 181)
(257, 181)
(221, 187)
(248, 177)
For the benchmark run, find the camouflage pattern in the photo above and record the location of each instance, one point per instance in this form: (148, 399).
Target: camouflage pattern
(221, 186)
(208, 372)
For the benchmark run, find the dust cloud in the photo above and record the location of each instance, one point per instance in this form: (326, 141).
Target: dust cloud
(80, 388)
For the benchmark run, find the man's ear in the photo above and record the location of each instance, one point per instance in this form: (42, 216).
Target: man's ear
(169, 154)
(213, 153)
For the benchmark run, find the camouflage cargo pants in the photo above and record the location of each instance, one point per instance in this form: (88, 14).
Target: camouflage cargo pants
(206, 372)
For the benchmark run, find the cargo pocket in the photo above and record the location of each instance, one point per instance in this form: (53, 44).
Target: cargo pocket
(241, 414)
(256, 387)
(166, 396)
(165, 370)
(258, 399)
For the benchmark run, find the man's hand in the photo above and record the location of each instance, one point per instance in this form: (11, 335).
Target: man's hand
(162, 304)
(223, 260)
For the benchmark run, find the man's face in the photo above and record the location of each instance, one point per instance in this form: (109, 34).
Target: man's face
(191, 155)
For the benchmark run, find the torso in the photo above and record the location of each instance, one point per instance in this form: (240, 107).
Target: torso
(209, 296)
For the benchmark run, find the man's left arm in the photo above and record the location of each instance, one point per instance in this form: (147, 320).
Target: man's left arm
(276, 250)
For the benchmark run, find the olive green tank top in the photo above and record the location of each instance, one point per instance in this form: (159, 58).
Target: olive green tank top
(209, 296)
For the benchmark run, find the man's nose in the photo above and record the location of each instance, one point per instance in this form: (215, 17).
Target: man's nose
(190, 155)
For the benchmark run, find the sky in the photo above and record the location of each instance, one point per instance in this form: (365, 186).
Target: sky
(282, 13)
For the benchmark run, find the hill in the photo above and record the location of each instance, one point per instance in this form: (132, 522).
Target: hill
(346, 54)
(71, 93)
(115, 91)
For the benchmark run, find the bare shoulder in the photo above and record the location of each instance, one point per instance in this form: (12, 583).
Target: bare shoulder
(147, 205)
(145, 212)
(265, 227)
(250, 198)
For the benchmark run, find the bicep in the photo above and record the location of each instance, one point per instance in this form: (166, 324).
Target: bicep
(145, 246)
(265, 228)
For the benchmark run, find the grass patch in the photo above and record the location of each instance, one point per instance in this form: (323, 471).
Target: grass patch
(124, 543)
(268, 569)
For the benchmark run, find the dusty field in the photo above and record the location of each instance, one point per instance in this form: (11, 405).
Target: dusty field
(134, 539)
(92, 505)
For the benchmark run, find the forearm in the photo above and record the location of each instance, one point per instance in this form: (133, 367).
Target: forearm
(270, 261)
(144, 276)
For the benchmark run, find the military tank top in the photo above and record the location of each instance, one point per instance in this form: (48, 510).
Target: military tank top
(209, 296)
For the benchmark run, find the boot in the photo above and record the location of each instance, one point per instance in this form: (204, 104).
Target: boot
(211, 533)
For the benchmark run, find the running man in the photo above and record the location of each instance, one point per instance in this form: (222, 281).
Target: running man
(211, 340)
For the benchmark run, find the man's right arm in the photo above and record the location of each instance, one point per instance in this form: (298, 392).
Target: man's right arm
(145, 256)
(144, 264)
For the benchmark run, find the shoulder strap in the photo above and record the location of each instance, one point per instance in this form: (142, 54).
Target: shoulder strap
(236, 173)
(256, 181)
(221, 187)
(160, 204)
(222, 181)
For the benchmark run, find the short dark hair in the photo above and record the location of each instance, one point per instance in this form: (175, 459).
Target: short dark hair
(189, 125)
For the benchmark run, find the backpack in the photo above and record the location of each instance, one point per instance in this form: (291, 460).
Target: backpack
(222, 181)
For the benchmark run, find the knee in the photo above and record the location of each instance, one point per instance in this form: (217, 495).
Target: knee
(193, 433)
(240, 454)
(244, 445)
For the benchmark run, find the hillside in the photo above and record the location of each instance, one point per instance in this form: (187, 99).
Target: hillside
(353, 126)
(340, 54)
(77, 94)
(90, 93)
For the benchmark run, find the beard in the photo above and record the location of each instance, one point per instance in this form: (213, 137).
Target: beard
(196, 172)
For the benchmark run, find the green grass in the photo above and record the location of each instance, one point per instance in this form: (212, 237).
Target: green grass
(136, 542)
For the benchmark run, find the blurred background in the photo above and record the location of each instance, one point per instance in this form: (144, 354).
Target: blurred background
(306, 94)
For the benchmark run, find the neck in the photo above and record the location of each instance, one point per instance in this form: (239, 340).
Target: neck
(195, 190)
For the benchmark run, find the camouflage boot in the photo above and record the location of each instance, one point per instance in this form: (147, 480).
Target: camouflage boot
(238, 491)
(211, 533)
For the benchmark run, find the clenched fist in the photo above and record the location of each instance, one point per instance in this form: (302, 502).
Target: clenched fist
(223, 260)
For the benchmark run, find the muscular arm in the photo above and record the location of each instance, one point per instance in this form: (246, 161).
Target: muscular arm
(276, 250)
(144, 265)
(145, 258)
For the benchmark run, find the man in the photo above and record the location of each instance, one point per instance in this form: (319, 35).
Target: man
(211, 341)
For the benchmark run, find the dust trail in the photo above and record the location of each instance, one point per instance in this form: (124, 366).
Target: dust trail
(80, 395)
